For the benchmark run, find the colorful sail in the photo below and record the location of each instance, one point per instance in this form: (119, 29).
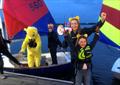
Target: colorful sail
(110, 32)
(19, 14)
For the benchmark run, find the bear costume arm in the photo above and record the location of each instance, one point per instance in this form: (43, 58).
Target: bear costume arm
(24, 45)
(38, 41)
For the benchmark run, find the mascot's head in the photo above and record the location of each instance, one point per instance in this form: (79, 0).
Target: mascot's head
(32, 34)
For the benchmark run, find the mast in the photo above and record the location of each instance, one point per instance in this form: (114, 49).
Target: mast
(2, 27)
(1, 18)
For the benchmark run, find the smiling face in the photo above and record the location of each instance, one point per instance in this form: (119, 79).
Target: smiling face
(103, 15)
(74, 24)
(82, 42)
(50, 27)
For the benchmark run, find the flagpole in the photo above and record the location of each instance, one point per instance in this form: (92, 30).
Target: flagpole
(2, 27)
(1, 24)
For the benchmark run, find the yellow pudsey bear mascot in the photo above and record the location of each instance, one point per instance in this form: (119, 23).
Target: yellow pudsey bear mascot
(32, 43)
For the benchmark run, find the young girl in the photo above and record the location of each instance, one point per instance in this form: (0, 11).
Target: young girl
(83, 52)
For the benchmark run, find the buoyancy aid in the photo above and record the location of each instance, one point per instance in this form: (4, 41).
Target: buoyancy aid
(84, 53)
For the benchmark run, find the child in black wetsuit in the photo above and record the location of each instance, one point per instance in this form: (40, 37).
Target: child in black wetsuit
(83, 52)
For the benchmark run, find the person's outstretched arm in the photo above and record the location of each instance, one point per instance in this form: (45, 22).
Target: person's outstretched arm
(94, 41)
(94, 28)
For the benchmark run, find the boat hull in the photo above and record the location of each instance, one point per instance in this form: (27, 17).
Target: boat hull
(63, 71)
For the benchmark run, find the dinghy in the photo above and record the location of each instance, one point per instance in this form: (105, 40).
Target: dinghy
(62, 70)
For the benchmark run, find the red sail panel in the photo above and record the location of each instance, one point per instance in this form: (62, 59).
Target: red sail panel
(113, 15)
(19, 14)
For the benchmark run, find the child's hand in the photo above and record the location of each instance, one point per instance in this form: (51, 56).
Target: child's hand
(78, 35)
(103, 16)
(84, 66)
(21, 53)
(66, 33)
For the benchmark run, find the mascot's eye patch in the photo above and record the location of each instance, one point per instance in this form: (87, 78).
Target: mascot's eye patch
(33, 35)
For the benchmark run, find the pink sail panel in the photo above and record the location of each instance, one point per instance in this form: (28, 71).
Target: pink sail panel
(19, 14)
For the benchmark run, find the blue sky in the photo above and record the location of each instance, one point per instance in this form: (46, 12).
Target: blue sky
(61, 10)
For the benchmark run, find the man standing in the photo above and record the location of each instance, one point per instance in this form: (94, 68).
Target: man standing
(53, 42)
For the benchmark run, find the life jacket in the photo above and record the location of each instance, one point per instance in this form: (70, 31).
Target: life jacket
(85, 53)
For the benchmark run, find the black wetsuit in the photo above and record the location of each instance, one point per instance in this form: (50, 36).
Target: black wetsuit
(53, 42)
(84, 56)
(4, 51)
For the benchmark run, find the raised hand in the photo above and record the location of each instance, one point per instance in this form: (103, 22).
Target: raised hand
(103, 16)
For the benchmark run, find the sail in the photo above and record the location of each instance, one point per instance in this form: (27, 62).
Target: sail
(110, 31)
(19, 14)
